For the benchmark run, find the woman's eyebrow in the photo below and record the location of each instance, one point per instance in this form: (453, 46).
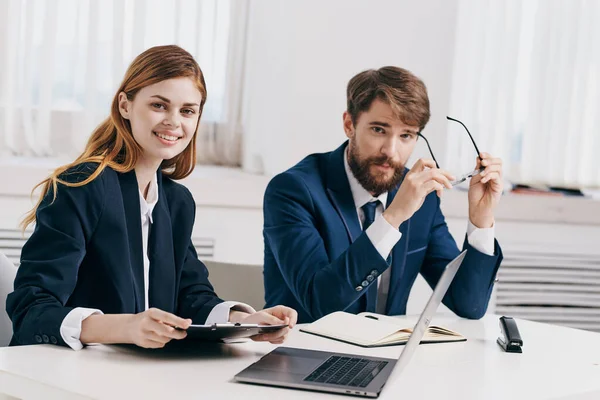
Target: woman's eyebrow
(169, 101)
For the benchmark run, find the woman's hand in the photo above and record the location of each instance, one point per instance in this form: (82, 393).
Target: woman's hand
(271, 316)
(154, 328)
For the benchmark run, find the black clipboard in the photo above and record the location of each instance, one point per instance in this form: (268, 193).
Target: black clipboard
(216, 332)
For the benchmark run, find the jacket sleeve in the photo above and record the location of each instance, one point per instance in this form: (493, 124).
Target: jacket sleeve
(50, 262)
(196, 297)
(470, 291)
(320, 284)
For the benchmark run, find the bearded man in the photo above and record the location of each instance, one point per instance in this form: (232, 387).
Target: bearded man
(351, 229)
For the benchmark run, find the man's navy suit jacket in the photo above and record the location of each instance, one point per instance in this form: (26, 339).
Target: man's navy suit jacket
(86, 251)
(317, 258)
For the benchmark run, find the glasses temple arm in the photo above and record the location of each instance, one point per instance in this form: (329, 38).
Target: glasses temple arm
(469, 133)
(429, 147)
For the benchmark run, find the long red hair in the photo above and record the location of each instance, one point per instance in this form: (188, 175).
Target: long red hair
(112, 143)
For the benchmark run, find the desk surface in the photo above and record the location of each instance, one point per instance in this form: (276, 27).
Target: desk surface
(556, 363)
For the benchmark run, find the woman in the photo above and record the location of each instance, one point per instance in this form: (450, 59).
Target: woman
(111, 258)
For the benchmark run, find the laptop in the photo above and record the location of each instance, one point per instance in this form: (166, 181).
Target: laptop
(349, 374)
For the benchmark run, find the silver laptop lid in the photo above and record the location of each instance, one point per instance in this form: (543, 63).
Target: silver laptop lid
(432, 304)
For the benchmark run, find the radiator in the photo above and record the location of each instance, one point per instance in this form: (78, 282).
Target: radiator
(553, 285)
(12, 240)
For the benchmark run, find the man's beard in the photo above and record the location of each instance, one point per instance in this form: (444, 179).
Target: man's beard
(373, 183)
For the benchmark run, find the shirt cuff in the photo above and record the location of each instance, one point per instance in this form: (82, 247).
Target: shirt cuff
(383, 236)
(70, 329)
(482, 239)
(220, 313)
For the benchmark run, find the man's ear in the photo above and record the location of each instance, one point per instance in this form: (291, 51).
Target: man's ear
(124, 105)
(348, 125)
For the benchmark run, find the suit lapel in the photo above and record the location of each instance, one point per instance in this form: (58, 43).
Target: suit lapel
(131, 203)
(338, 190)
(161, 293)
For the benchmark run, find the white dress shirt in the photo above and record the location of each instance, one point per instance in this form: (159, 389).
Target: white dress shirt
(384, 236)
(70, 329)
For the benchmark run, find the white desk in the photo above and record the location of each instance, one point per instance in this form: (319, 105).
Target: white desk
(557, 363)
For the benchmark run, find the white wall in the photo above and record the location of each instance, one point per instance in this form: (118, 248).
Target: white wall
(301, 54)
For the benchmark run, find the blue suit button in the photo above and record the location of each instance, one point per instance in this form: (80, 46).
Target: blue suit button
(359, 288)
(365, 283)
(374, 273)
(370, 278)
(38, 338)
(53, 340)
(46, 338)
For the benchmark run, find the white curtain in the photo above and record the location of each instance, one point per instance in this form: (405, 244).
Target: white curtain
(62, 60)
(526, 81)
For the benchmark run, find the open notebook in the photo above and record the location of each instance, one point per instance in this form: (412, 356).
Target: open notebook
(374, 330)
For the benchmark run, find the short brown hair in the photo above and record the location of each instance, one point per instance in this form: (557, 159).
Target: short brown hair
(403, 91)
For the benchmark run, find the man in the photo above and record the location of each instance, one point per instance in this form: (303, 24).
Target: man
(351, 229)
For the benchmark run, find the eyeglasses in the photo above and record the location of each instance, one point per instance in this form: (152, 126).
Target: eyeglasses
(466, 176)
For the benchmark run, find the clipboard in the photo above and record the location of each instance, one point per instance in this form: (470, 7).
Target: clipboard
(216, 332)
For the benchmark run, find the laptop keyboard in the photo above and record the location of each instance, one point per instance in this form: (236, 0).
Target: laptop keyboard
(346, 371)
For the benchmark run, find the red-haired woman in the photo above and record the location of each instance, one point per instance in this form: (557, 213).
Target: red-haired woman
(111, 258)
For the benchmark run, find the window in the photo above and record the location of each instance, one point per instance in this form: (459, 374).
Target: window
(526, 81)
(62, 61)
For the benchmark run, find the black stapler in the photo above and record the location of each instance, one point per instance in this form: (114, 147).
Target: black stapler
(510, 339)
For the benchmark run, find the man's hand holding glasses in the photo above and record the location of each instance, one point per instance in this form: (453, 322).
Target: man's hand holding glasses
(485, 190)
(426, 176)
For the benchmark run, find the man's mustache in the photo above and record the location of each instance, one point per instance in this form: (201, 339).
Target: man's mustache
(384, 161)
